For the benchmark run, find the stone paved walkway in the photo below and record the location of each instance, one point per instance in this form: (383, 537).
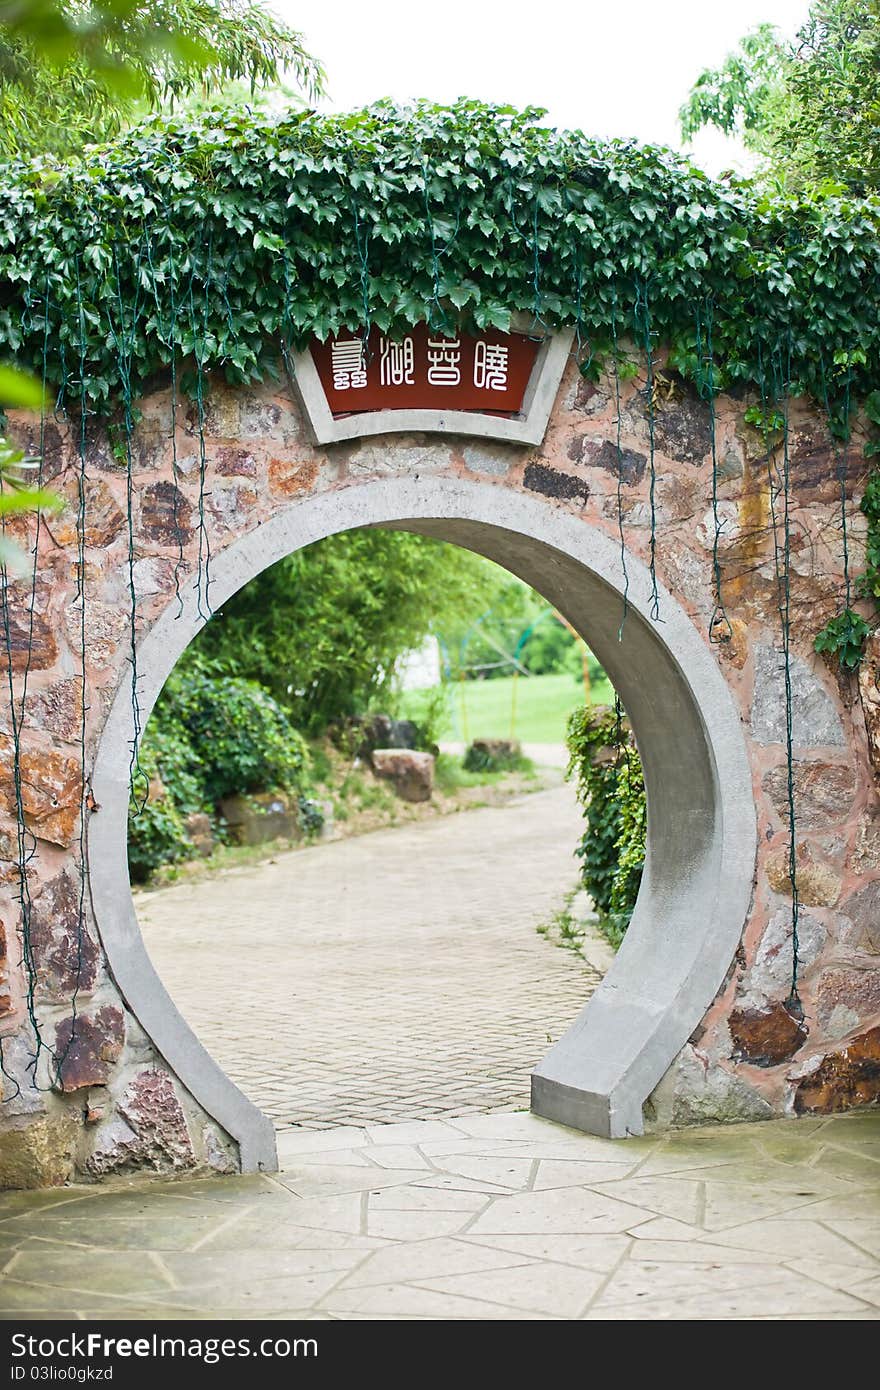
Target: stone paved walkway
(391, 977)
(496, 1216)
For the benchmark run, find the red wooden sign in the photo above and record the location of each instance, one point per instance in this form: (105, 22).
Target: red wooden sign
(426, 371)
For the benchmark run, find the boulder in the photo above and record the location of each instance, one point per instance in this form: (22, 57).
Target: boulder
(264, 816)
(411, 773)
(200, 834)
(493, 755)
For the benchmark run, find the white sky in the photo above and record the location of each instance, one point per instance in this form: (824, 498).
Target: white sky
(609, 69)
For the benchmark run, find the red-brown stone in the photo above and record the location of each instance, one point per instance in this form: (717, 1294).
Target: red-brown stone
(31, 639)
(166, 515)
(150, 1129)
(64, 953)
(766, 1037)
(86, 1048)
(816, 468)
(51, 791)
(151, 1106)
(232, 462)
(824, 793)
(843, 1079)
(102, 517)
(290, 478)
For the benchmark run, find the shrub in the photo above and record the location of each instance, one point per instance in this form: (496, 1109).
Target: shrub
(210, 737)
(241, 738)
(156, 825)
(605, 764)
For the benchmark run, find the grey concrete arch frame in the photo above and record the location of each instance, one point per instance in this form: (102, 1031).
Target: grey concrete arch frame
(698, 877)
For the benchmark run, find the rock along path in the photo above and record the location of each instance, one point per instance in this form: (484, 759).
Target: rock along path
(393, 977)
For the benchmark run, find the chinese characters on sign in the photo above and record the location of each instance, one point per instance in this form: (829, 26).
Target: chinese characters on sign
(490, 366)
(424, 370)
(349, 368)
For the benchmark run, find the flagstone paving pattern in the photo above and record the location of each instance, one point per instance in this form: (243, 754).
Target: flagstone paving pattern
(499, 1216)
(395, 976)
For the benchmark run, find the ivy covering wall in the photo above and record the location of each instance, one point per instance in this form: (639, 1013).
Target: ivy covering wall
(222, 236)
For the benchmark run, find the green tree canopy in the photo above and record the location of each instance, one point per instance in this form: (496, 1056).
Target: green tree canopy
(810, 107)
(323, 629)
(73, 74)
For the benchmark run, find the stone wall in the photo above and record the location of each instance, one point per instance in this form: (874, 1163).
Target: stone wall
(113, 1104)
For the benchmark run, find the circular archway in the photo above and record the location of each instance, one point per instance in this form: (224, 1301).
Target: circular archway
(697, 881)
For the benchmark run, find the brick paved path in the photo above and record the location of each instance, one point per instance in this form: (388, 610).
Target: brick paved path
(396, 976)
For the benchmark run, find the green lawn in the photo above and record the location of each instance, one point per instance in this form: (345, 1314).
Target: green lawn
(533, 709)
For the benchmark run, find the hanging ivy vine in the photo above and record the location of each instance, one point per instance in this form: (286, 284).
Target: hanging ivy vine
(224, 236)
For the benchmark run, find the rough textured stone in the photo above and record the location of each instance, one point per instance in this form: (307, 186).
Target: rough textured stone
(234, 462)
(869, 693)
(32, 642)
(539, 477)
(103, 518)
(105, 624)
(842, 1079)
(20, 1092)
(411, 773)
(229, 505)
(9, 871)
(487, 458)
(696, 1091)
(683, 429)
(57, 708)
(6, 1005)
(221, 414)
(289, 477)
(51, 791)
(858, 991)
(38, 1152)
(65, 954)
(766, 1037)
(818, 885)
(628, 464)
(259, 418)
(588, 398)
(166, 515)
(866, 854)
(154, 574)
(815, 721)
(770, 975)
(863, 910)
(150, 1130)
(817, 467)
(376, 459)
(87, 1046)
(824, 793)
